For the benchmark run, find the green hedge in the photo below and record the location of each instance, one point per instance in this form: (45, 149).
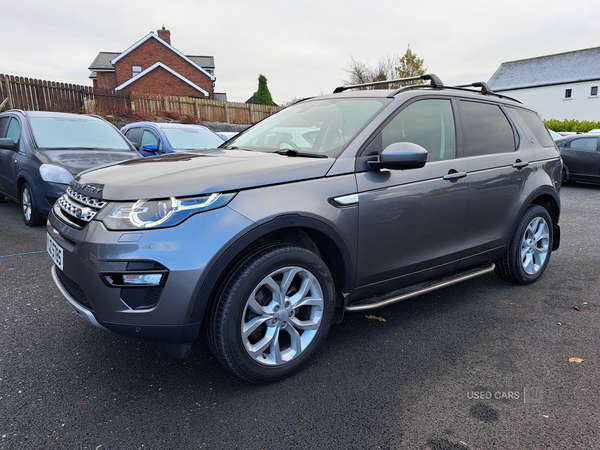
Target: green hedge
(582, 126)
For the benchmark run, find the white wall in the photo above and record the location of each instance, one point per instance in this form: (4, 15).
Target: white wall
(550, 101)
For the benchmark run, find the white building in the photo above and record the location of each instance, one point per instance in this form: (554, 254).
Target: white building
(561, 86)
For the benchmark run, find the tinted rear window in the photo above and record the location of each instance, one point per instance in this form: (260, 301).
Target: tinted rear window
(487, 128)
(538, 128)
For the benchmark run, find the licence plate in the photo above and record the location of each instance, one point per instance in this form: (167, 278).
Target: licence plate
(55, 251)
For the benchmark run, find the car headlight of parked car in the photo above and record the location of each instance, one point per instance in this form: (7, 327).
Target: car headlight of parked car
(158, 213)
(55, 174)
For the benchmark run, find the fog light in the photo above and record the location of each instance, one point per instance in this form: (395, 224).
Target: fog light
(143, 279)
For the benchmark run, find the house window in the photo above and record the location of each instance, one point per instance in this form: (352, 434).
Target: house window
(567, 93)
(594, 91)
(136, 70)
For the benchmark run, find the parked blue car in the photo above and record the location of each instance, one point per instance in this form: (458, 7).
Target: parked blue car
(159, 138)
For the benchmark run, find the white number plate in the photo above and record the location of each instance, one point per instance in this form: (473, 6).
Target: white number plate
(55, 251)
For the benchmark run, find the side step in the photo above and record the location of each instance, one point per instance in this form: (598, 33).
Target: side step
(415, 290)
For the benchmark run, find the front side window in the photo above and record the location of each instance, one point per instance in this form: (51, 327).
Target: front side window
(428, 123)
(487, 129)
(74, 131)
(149, 138)
(323, 127)
(14, 131)
(589, 144)
(594, 91)
(136, 70)
(568, 93)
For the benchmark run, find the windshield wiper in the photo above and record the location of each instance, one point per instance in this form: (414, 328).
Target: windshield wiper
(291, 152)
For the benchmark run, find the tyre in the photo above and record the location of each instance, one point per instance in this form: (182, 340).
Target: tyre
(530, 248)
(31, 216)
(273, 314)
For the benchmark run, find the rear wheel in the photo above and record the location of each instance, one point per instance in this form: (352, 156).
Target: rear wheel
(31, 215)
(274, 313)
(530, 248)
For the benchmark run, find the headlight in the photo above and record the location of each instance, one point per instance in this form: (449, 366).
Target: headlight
(158, 213)
(55, 174)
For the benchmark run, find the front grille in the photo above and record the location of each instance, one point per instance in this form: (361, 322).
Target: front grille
(73, 289)
(78, 207)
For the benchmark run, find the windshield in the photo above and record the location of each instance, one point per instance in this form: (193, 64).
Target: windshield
(319, 126)
(190, 138)
(76, 132)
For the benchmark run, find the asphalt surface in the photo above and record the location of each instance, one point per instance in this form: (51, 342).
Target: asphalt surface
(419, 380)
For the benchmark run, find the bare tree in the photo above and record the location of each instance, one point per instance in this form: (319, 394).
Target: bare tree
(358, 72)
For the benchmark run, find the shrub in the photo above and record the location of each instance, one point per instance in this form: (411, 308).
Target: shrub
(575, 126)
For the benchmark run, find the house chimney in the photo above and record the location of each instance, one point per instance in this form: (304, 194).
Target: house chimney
(165, 35)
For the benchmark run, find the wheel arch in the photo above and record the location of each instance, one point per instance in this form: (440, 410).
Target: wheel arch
(549, 200)
(309, 233)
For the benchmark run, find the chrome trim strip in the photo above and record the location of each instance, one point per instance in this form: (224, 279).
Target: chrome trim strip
(346, 200)
(84, 313)
(432, 288)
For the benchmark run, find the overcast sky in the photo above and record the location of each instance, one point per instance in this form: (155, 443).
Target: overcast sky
(301, 46)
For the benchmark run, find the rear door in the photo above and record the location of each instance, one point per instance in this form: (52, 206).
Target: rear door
(501, 168)
(413, 220)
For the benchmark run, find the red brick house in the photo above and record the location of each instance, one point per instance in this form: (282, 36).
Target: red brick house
(153, 66)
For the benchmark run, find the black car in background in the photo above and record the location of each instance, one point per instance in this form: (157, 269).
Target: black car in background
(581, 157)
(40, 152)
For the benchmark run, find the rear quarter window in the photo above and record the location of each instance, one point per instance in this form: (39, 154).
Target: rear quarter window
(537, 127)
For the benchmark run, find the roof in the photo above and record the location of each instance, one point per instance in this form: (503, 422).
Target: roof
(103, 61)
(561, 68)
(206, 62)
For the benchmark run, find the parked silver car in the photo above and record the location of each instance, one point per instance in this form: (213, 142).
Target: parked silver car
(339, 203)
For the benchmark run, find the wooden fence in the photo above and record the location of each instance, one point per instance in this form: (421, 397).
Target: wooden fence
(202, 108)
(36, 95)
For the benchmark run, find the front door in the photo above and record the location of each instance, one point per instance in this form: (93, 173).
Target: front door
(412, 221)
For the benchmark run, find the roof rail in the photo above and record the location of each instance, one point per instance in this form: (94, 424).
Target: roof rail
(434, 79)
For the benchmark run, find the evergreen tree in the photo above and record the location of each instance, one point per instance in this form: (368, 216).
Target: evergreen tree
(411, 66)
(262, 96)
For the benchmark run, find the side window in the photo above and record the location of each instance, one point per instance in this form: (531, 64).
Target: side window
(487, 129)
(14, 131)
(428, 123)
(134, 135)
(3, 124)
(149, 138)
(589, 144)
(538, 128)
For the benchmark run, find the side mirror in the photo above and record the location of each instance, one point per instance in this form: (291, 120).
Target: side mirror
(400, 156)
(150, 148)
(8, 144)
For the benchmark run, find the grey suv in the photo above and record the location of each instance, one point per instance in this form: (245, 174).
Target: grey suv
(339, 203)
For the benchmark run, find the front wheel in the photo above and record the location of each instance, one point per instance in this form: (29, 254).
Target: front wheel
(31, 216)
(274, 313)
(530, 248)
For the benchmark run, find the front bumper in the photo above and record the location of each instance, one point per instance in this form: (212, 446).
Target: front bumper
(160, 314)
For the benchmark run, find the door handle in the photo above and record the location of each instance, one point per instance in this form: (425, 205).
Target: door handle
(455, 176)
(520, 164)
